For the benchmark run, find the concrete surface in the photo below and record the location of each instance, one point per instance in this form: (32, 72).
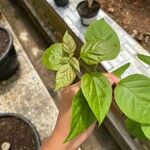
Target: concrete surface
(25, 94)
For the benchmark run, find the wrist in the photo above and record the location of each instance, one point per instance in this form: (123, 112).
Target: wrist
(59, 137)
(56, 141)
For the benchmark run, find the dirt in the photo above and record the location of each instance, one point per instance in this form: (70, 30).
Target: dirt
(4, 40)
(133, 16)
(87, 12)
(17, 133)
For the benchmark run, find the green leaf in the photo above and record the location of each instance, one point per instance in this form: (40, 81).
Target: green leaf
(82, 116)
(99, 30)
(144, 58)
(75, 63)
(91, 53)
(146, 130)
(132, 95)
(102, 43)
(65, 60)
(65, 76)
(69, 45)
(72, 61)
(134, 128)
(52, 56)
(98, 93)
(119, 71)
(96, 51)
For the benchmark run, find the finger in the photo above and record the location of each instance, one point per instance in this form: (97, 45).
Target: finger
(112, 78)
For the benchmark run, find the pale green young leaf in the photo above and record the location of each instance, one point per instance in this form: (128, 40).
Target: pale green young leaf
(75, 64)
(132, 95)
(82, 116)
(52, 56)
(65, 76)
(134, 128)
(65, 60)
(98, 93)
(144, 58)
(146, 130)
(119, 71)
(69, 45)
(72, 61)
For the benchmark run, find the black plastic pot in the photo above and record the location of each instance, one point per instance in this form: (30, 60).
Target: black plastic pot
(28, 122)
(88, 15)
(61, 3)
(8, 61)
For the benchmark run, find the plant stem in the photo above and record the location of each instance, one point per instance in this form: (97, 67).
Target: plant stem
(96, 68)
(79, 74)
(90, 2)
(83, 65)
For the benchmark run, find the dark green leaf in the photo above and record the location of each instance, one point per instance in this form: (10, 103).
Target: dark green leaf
(134, 128)
(82, 116)
(98, 93)
(65, 76)
(52, 56)
(144, 58)
(132, 95)
(146, 130)
(75, 64)
(69, 45)
(119, 71)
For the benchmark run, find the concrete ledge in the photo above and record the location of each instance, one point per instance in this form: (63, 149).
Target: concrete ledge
(25, 94)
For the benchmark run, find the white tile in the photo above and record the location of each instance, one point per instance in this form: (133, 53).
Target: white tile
(106, 65)
(129, 49)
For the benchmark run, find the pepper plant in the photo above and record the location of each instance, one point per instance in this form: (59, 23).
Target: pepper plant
(92, 102)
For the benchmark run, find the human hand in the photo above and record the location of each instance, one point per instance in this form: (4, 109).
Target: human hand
(62, 127)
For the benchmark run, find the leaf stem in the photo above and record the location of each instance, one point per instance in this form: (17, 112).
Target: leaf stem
(90, 2)
(96, 68)
(83, 65)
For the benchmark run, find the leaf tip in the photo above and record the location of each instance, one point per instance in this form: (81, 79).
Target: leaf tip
(57, 88)
(66, 140)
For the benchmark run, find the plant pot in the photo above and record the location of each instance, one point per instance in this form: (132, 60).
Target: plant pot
(8, 58)
(88, 15)
(61, 3)
(18, 132)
